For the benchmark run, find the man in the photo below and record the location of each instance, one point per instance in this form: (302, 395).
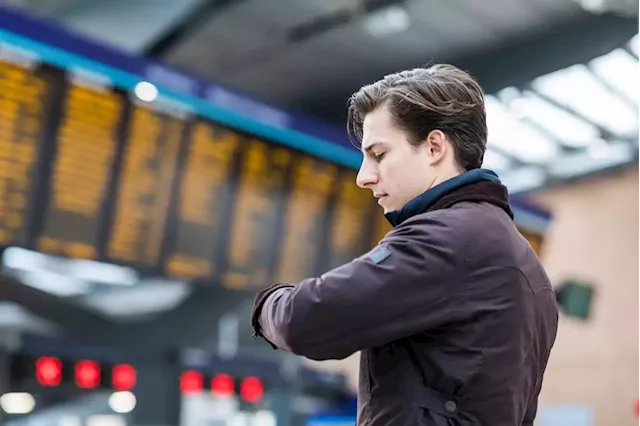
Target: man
(453, 313)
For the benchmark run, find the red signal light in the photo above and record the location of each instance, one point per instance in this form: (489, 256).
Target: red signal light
(222, 385)
(87, 374)
(191, 382)
(251, 389)
(49, 371)
(123, 377)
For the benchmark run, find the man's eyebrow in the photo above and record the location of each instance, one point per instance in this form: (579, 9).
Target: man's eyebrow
(373, 145)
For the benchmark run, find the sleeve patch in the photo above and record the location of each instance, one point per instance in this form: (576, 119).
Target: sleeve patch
(379, 254)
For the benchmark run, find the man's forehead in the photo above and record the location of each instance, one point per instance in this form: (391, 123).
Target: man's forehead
(377, 119)
(378, 129)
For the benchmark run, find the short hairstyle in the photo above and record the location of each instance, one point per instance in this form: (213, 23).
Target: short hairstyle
(440, 97)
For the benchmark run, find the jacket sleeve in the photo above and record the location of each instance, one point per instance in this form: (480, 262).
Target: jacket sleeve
(530, 414)
(411, 282)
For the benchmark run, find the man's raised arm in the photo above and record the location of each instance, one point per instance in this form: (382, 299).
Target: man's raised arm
(411, 282)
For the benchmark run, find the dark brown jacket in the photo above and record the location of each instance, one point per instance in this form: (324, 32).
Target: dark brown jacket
(453, 314)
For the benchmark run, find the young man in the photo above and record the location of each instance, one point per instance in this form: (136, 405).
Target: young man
(453, 313)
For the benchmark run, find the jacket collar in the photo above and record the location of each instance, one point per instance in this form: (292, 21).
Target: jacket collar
(474, 185)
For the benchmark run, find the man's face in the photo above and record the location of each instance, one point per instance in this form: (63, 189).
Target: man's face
(392, 168)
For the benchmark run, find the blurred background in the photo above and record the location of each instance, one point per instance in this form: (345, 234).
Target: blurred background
(162, 160)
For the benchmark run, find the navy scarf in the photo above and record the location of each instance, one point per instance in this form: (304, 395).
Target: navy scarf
(474, 185)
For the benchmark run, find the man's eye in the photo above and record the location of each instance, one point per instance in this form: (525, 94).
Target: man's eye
(379, 157)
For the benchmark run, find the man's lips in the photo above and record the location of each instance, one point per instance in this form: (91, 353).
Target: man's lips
(379, 196)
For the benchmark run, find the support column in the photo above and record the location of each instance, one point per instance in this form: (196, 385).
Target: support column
(157, 392)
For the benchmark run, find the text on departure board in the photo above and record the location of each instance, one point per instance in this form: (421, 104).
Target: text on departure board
(144, 190)
(204, 194)
(22, 99)
(263, 174)
(85, 150)
(313, 181)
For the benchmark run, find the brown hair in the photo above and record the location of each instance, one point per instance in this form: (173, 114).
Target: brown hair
(420, 100)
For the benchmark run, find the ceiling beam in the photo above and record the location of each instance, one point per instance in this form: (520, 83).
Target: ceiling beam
(184, 28)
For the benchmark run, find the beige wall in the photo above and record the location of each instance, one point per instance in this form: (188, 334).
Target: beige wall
(594, 236)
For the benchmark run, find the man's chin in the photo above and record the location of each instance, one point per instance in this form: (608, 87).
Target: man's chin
(387, 208)
(388, 205)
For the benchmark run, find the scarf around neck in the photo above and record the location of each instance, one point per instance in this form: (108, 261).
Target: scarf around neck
(478, 185)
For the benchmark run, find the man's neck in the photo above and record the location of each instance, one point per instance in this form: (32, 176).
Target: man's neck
(446, 175)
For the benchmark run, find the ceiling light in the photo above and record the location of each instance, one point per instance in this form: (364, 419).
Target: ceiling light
(494, 161)
(388, 21)
(524, 179)
(567, 128)
(579, 90)
(602, 156)
(514, 137)
(633, 45)
(620, 70)
(146, 91)
(122, 402)
(598, 148)
(593, 6)
(17, 403)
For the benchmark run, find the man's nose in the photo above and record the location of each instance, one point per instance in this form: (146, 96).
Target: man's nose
(366, 177)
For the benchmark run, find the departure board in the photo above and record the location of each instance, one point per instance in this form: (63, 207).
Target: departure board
(254, 237)
(381, 226)
(86, 146)
(350, 221)
(535, 239)
(23, 94)
(144, 187)
(92, 172)
(205, 192)
(305, 218)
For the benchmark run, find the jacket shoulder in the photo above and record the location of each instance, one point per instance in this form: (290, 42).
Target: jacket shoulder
(471, 229)
(454, 221)
(432, 226)
(436, 232)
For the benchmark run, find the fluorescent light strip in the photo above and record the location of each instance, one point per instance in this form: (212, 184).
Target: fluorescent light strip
(583, 163)
(524, 179)
(494, 161)
(510, 135)
(578, 89)
(567, 128)
(620, 70)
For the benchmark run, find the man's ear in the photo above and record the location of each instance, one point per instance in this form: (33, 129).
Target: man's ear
(436, 145)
